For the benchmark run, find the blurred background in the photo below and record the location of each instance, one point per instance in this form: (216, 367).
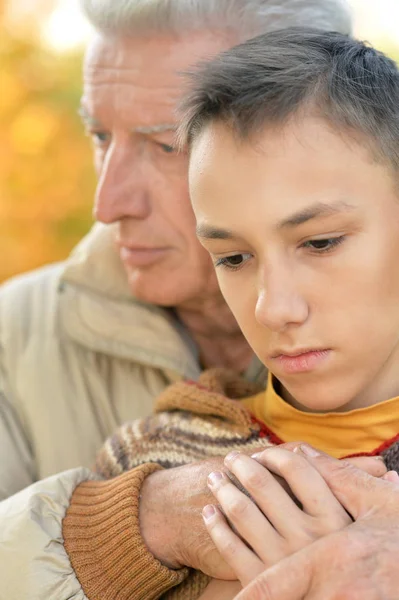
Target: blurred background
(46, 176)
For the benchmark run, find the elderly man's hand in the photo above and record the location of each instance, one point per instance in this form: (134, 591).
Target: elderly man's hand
(356, 563)
(171, 515)
(171, 518)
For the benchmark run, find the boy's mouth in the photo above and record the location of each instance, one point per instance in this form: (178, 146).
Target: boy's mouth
(300, 360)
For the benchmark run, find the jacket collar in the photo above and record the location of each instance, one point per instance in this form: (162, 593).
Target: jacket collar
(98, 311)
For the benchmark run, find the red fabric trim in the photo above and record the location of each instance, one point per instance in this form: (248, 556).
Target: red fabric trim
(264, 431)
(378, 450)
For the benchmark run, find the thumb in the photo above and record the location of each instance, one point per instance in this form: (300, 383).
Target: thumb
(357, 491)
(289, 579)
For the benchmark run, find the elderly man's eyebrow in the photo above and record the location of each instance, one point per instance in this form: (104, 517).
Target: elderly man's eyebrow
(317, 210)
(144, 130)
(210, 232)
(148, 130)
(86, 117)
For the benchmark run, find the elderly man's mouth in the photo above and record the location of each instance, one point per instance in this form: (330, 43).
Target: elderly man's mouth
(140, 256)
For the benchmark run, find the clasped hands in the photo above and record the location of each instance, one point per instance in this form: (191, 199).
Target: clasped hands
(342, 542)
(255, 533)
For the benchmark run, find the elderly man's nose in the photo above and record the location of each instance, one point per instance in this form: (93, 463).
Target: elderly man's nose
(121, 190)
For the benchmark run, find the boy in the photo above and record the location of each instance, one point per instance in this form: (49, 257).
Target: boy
(294, 156)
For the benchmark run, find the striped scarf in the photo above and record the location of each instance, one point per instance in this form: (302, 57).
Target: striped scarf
(194, 421)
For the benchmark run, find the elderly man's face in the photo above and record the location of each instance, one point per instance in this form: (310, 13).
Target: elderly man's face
(131, 89)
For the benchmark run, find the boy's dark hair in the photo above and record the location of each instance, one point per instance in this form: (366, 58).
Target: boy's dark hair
(270, 78)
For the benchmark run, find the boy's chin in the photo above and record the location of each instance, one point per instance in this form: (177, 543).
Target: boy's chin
(317, 399)
(322, 405)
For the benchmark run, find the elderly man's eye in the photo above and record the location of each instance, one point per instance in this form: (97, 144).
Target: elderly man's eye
(100, 137)
(167, 148)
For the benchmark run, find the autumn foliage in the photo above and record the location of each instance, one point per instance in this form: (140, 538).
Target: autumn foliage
(46, 173)
(46, 176)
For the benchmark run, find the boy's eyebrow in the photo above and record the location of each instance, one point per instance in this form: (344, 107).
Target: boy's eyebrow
(213, 233)
(317, 210)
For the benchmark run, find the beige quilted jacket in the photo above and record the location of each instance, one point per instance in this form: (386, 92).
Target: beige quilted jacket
(78, 357)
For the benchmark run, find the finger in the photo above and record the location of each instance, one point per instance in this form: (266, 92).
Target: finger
(357, 491)
(272, 499)
(307, 485)
(247, 518)
(373, 465)
(244, 562)
(290, 579)
(391, 476)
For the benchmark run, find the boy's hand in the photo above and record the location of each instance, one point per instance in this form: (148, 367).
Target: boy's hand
(359, 561)
(170, 516)
(274, 527)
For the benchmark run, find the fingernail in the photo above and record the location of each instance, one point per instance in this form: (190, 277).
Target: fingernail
(231, 456)
(391, 476)
(214, 478)
(381, 458)
(309, 451)
(208, 511)
(257, 455)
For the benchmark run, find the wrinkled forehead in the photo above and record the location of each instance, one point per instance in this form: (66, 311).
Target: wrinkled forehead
(159, 58)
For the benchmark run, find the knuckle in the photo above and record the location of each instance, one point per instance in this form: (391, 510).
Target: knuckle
(228, 548)
(260, 589)
(335, 521)
(213, 524)
(304, 538)
(342, 471)
(293, 463)
(256, 481)
(238, 509)
(343, 476)
(291, 445)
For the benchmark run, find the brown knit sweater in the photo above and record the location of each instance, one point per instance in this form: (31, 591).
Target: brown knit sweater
(192, 422)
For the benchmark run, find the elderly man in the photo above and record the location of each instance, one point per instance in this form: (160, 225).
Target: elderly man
(87, 345)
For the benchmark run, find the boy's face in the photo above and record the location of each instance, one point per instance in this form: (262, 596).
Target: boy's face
(303, 228)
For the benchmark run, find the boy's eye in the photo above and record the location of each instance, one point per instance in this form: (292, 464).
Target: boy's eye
(323, 245)
(233, 262)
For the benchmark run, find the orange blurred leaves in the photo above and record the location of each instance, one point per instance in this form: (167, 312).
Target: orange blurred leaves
(46, 175)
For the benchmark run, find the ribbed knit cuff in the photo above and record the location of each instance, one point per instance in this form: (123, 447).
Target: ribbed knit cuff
(102, 537)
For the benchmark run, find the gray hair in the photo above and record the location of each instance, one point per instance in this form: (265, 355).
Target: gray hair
(247, 17)
(275, 76)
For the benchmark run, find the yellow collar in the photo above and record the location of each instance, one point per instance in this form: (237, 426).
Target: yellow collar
(362, 430)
